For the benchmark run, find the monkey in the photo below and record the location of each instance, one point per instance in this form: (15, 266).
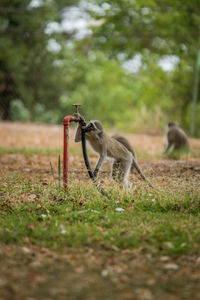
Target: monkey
(176, 139)
(117, 148)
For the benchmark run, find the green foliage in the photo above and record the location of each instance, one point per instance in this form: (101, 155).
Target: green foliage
(117, 98)
(149, 28)
(18, 111)
(28, 69)
(29, 151)
(90, 70)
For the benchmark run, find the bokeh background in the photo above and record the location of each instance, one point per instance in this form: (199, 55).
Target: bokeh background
(133, 64)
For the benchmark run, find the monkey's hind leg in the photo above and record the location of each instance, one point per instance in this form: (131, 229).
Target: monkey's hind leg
(121, 171)
(127, 165)
(116, 170)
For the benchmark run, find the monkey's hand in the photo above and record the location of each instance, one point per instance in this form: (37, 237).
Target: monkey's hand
(95, 172)
(79, 118)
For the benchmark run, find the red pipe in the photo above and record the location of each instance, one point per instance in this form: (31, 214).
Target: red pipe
(66, 122)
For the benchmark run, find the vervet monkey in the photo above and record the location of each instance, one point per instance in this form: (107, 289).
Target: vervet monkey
(117, 148)
(176, 139)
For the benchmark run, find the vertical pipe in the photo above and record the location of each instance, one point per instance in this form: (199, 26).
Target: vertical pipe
(66, 123)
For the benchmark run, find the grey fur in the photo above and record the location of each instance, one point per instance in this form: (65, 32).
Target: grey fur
(176, 139)
(126, 143)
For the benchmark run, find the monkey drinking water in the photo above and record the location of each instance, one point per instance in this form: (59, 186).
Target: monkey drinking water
(116, 147)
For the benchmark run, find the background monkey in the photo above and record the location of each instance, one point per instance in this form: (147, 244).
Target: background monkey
(176, 138)
(116, 147)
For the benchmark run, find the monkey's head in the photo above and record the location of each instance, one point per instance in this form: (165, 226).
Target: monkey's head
(94, 127)
(172, 124)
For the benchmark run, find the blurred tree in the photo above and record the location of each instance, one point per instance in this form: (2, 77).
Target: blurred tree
(27, 60)
(164, 27)
(116, 97)
(44, 68)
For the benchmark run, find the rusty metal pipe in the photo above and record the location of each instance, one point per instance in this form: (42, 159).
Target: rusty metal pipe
(66, 121)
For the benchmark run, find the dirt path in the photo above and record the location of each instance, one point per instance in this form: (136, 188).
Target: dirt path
(17, 135)
(51, 136)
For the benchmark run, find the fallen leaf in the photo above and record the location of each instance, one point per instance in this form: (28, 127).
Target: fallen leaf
(144, 294)
(171, 266)
(82, 211)
(31, 226)
(43, 216)
(32, 197)
(198, 260)
(26, 250)
(104, 273)
(63, 229)
(169, 245)
(164, 258)
(151, 281)
(26, 240)
(119, 209)
(2, 282)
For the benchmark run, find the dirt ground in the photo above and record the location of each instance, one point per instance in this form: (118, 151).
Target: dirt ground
(38, 273)
(29, 272)
(148, 148)
(45, 136)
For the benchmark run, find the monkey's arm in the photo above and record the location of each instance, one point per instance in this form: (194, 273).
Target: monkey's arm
(77, 137)
(166, 148)
(170, 147)
(170, 140)
(99, 163)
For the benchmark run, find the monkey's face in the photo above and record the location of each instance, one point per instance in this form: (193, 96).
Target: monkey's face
(90, 127)
(172, 124)
(94, 129)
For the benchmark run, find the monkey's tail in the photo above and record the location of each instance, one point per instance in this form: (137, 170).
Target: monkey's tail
(135, 164)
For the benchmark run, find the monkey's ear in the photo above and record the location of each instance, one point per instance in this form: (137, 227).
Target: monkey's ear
(98, 127)
(100, 133)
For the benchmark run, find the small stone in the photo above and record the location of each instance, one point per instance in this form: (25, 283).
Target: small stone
(26, 250)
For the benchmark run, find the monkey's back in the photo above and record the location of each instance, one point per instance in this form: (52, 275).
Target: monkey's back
(124, 142)
(116, 150)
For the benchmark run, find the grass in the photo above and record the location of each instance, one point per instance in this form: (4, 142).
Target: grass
(36, 151)
(29, 151)
(75, 150)
(158, 222)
